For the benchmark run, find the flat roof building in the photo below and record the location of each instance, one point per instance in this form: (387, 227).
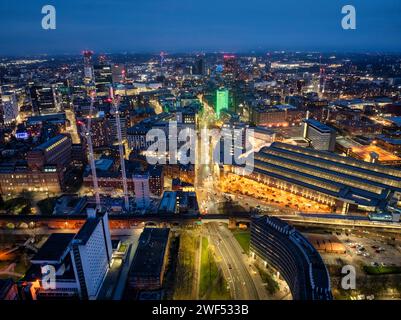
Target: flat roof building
(321, 136)
(147, 270)
(341, 182)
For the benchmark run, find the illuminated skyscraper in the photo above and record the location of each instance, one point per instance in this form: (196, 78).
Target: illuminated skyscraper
(88, 66)
(118, 73)
(103, 77)
(45, 99)
(230, 65)
(8, 107)
(221, 101)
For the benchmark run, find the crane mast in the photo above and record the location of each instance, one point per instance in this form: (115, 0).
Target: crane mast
(88, 135)
(116, 103)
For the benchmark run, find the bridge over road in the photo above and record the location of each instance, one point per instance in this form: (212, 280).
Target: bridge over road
(127, 221)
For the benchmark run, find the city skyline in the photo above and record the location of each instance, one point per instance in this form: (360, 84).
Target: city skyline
(199, 152)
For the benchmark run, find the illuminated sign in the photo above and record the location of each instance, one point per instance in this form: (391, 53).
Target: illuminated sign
(22, 135)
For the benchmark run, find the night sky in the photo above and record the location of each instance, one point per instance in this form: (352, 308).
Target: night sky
(206, 25)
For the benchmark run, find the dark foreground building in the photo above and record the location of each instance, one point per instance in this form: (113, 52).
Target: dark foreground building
(150, 259)
(289, 252)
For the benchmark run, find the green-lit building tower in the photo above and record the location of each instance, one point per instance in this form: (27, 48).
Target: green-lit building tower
(221, 101)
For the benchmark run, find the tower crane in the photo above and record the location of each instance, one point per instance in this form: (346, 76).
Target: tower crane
(116, 104)
(88, 136)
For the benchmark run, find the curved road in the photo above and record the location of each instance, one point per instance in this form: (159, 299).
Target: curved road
(233, 264)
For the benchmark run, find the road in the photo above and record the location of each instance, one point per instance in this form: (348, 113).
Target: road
(233, 263)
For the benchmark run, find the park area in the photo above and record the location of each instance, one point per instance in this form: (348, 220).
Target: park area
(212, 285)
(185, 286)
(243, 238)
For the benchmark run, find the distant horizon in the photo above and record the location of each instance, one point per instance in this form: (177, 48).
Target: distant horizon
(195, 52)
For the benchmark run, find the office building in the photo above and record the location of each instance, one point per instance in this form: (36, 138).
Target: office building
(81, 262)
(231, 66)
(150, 260)
(9, 108)
(285, 249)
(321, 136)
(15, 178)
(156, 180)
(141, 190)
(199, 66)
(221, 101)
(88, 66)
(56, 151)
(178, 202)
(44, 99)
(103, 78)
(102, 134)
(274, 115)
(92, 253)
(118, 73)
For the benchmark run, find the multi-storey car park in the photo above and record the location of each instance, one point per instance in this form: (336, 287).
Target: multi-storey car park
(343, 183)
(286, 250)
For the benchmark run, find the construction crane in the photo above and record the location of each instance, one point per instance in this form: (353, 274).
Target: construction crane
(87, 132)
(116, 103)
(322, 79)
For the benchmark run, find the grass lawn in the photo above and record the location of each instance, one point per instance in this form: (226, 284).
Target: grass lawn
(243, 238)
(212, 283)
(189, 244)
(46, 206)
(382, 270)
(271, 285)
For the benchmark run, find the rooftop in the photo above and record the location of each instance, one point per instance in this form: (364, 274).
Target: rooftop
(86, 230)
(149, 256)
(55, 248)
(318, 125)
(364, 152)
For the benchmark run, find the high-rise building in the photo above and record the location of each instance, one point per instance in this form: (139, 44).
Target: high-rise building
(156, 180)
(199, 66)
(80, 262)
(320, 136)
(113, 126)
(230, 64)
(88, 66)
(101, 132)
(44, 99)
(141, 189)
(103, 77)
(221, 101)
(91, 255)
(9, 107)
(118, 73)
